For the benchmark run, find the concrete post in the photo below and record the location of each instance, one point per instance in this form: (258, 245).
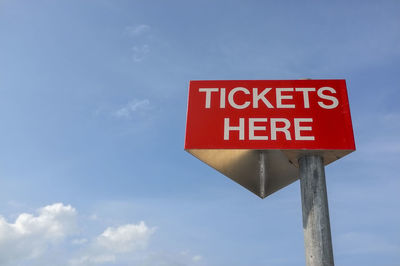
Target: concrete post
(316, 226)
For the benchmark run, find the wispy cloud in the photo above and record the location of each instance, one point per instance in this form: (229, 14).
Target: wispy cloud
(132, 108)
(139, 52)
(392, 118)
(137, 29)
(140, 35)
(197, 258)
(79, 241)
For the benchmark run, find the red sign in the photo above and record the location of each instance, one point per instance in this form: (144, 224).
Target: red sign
(269, 114)
(254, 131)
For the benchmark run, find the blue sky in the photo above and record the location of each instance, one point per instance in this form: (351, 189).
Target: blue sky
(92, 111)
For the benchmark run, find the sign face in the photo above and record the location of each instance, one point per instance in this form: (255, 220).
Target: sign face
(283, 118)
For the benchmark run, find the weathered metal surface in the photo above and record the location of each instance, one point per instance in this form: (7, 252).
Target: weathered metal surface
(261, 171)
(316, 225)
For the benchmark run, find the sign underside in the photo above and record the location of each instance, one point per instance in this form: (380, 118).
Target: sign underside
(263, 172)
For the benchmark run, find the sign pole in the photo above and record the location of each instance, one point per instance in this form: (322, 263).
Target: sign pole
(254, 132)
(314, 199)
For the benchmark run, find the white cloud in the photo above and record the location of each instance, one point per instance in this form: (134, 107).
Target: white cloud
(115, 241)
(46, 239)
(135, 106)
(125, 238)
(29, 236)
